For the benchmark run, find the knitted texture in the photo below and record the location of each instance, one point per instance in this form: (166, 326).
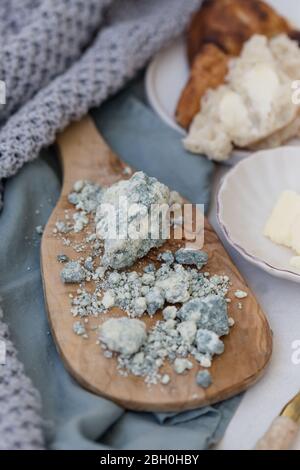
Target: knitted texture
(133, 31)
(58, 59)
(20, 424)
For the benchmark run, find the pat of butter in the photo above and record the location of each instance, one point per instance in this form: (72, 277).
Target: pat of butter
(283, 226)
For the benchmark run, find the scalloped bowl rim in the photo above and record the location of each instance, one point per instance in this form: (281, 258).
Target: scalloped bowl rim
(261, 263)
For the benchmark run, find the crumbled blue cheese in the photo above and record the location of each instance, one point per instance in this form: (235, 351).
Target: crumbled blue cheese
(89, 264)
(240, 294)
(165, 379)
(203, 379)
(175, 287)
(108, 299)
(166, 257)
(155, 300)
(63, 227)
(191, 257)
(169, 313)
(187, 330)
(191, 329)
(123, 335)
(204, 359)
(86, 304)
(208, 342)
(73, 272)
(208, 312)
(140, 306)
(86, 196)
(39, 229)
(181, 365)
(79, 328)
(62, 258)
(80, 221)
(143, 194)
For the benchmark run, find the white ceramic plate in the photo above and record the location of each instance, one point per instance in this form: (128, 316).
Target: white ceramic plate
(168, 72)
(246, 198)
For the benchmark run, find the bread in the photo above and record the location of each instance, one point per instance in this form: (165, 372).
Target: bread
(254, 103)
(280, 137)
(218, 30)
(287, 54)
(208, 71)
(230, 23)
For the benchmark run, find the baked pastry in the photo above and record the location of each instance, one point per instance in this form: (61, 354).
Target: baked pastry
(253, 104)
(208, 71)
(220, 28)
(230, 23)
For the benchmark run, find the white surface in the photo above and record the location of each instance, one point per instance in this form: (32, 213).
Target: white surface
(280, 299)
(258, 181)
(168, 72)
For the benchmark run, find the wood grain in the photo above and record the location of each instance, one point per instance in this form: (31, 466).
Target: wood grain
(247, 349)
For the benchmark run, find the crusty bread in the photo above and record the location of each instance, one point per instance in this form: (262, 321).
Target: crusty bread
(230, 23)
(208, 71)
(280, 137)
(287, 55)
(220, 28)
(253, 104)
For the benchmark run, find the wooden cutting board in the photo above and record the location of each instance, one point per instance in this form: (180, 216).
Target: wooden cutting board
(248, 347)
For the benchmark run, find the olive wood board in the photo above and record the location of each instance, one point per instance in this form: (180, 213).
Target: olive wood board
(248, 347)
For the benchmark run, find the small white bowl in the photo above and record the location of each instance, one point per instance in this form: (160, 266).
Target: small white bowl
(246, 198)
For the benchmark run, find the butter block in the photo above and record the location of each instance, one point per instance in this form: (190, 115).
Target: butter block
(283, 226)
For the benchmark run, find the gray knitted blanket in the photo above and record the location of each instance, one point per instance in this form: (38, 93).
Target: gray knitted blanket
(58, 59)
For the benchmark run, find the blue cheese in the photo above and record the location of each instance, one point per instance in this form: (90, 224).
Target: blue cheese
(62, 258)
(140, 306)
(203, 379)
(123, 335)
(108, 299)
(63, 227)
(165, 379)
(73, 272)
(175, 287)
(142, 194)
(155, 300)
(79, 328)
(86, 196)
(191, 257)
(169, 313)
(39, 229)
(187, 330)
(80, 221)
(208, 342)
(240, 294)
(208, 312)
(181, 365)
(166, 257)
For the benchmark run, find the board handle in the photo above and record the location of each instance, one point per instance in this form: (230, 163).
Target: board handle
(84, 152)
